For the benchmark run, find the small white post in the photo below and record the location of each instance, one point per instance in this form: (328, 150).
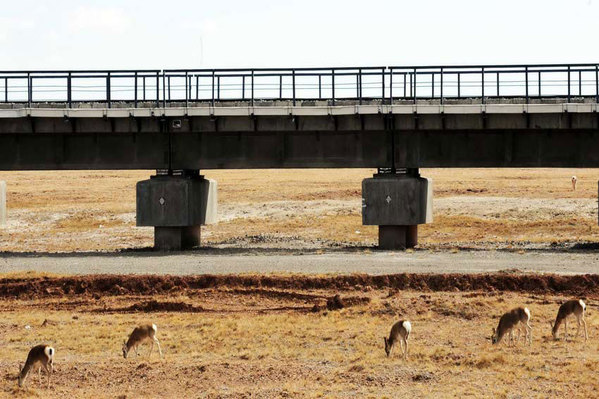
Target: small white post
(2, 203)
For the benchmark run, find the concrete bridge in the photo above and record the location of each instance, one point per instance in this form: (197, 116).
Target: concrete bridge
(396, 119)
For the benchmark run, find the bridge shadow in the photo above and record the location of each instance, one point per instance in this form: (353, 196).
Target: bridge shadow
(582, 247)
(205, 250)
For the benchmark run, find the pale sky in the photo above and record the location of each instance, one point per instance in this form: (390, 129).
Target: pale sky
(136, 34)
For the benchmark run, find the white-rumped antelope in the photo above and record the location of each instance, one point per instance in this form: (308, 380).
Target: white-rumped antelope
(510, 320)
(574, 307)
(574, 180)
(400, 331)
(139, 335)
(39, 356)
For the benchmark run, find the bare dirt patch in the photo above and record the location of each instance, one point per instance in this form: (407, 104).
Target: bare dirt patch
(271, 286)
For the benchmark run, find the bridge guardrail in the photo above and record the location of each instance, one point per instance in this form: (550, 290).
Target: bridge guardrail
(387, 84)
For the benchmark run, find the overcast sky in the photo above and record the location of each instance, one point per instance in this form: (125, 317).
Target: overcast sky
(259, 33)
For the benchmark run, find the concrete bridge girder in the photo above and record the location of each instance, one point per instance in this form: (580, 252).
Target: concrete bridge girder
(287, 137)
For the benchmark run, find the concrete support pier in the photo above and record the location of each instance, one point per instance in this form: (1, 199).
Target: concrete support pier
(2, 203)
(397, 203)
(176, 206)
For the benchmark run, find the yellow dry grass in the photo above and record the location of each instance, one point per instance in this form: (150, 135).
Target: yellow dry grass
(95, 210)
(245, 347)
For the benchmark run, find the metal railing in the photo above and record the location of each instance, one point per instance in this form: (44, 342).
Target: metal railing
(175, 87)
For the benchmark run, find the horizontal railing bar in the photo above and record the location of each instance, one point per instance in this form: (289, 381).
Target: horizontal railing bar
(275, 69)
(106, 71)
(256, 84)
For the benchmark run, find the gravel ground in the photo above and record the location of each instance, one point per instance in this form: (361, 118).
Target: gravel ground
(215, 261)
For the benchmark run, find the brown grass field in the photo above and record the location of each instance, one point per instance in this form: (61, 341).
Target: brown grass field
(68, 211)
(273, 336)
(266, 337)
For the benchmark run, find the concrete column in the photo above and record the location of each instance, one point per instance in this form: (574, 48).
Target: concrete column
(176, 206)
(2, 203)
(398, 237)
(176, 238)
(397, 203)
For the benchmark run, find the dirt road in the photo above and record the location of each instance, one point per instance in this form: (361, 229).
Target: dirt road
(232, 261)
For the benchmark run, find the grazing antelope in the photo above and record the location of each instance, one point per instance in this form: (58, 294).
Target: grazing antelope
(574, 307)
(139, 335)
(511, 320)
(400, 331)
(39, 356)
(574, 180)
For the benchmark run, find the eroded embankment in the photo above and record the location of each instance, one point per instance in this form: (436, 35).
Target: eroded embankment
(113, 285)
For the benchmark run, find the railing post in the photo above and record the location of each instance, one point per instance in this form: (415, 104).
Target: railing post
(186, 91)
(432, 85)
(143, 88)
(383, 86)
(319, 86)
(5, 90)
(405, 84)
(218, 88)
(157, 89)
(281, 87)
(539, 84)
(29, 90)
(108, 97)
(580, 82)
(414, 85)
(333, 85)
(390, 86)
(169, 88)
(597, 83)
(69, 90)
(242, 87)
(568, 84)
(483, 85)
(135, 89)
(164, 90)
(293, 85)
(359, 85)
(497, 84)
(441, 101)
(459, 86)
(212, 101)
(197, 87)
(252, 88)
(526, 82)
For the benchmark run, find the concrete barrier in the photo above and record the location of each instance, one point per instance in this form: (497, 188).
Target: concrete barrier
(2, 203)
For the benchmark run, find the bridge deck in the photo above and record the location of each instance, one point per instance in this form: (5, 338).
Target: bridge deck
(447, 116)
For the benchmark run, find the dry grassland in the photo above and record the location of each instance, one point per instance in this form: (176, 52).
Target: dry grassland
(234, 342)
(488, 208)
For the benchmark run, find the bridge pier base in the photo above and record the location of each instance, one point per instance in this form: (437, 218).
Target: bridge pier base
(176, 206)
(397, 203)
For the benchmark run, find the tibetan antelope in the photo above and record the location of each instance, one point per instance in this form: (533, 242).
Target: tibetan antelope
(510, 320)
(574, 307)
(139, 335)
(400, 331)
(39, 356)
(574, 180)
